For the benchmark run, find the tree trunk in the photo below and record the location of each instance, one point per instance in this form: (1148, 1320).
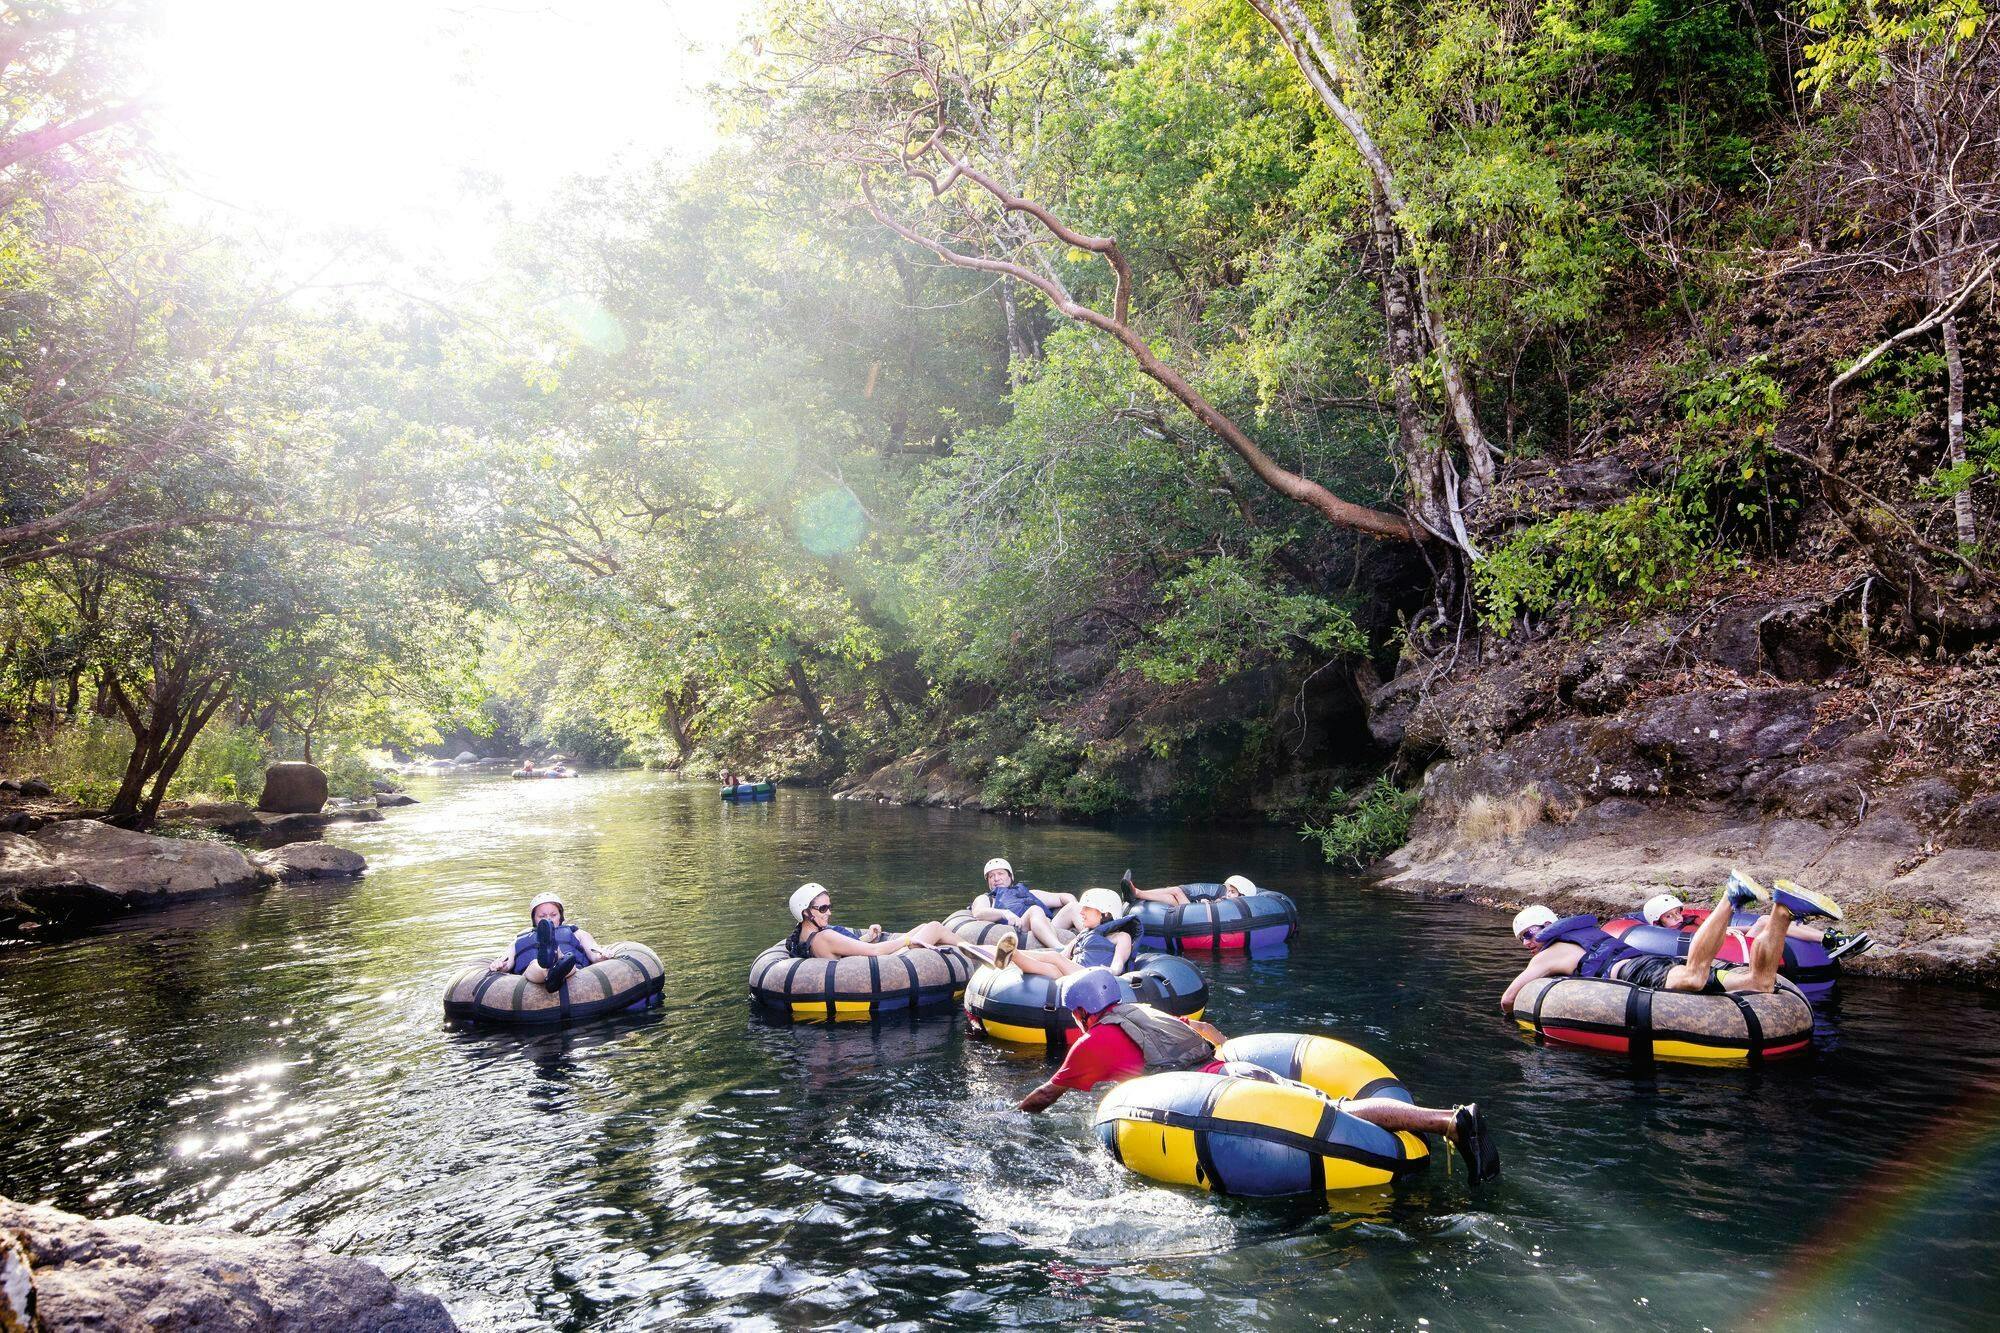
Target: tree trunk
(808, 699)
(1954, 428)
(675, 712)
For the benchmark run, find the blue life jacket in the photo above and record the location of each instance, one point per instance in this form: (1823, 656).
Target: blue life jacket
(1096, 948)
(1016, 898)
(799, 948)
(566, 943)
(1601, 951)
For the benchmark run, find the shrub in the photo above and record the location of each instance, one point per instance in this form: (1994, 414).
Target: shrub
(1642, 552)
(226, 762)
(85, 758)
(1368, 825)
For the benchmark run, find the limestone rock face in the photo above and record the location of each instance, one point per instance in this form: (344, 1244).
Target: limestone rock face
(311, 860)
(293, 789)
(129, 1273)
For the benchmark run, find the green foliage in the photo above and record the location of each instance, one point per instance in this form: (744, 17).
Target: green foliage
(225, 763)
(1364, 826)
(1226, 611)
(1639, 554)
(83, 758)
(1982, 459)
(1898, 386)
(1729, 479)
(1852, 42)
(1049, 770)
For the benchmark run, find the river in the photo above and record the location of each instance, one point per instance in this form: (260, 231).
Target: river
(279, 1064)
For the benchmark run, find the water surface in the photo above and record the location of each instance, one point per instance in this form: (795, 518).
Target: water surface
(279, 1064)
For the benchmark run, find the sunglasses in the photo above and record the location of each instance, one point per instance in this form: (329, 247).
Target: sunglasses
(1528, 936)
(821, 907)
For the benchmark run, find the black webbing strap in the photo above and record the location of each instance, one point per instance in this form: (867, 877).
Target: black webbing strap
(1204, 1159)
(874, 978)
(791, 973)
(1252, 1129)
(910, 969)
(1171, 931)
(831, 965)
(486, 984)
(1639, 1022)
(1541, 996)
(1753, 1027)
(562, 997)
(1323, 1131)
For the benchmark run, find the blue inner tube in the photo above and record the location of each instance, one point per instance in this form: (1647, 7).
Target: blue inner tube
(1260, 924)
(750, 791)
(1011, 1005)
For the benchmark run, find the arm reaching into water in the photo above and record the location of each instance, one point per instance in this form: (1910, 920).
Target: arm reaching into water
(1041, 1099)
(1548, 963)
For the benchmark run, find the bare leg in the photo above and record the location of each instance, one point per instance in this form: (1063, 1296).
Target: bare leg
(1044, 963)
(1693, 974)
(1388, 1113)
(1173, 897)
(536, 973)
(1765, 957)
(1036, 923)
(932, 933)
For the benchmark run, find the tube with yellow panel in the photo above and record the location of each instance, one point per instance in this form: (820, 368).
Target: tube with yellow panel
(1021, 1008)
(1253, 1139)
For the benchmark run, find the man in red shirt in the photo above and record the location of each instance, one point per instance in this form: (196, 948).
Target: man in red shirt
(1123, 1039)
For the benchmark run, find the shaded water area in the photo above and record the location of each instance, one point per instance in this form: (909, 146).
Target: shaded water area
(279, 1064)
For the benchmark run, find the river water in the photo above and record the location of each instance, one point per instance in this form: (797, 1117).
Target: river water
(279, 1064)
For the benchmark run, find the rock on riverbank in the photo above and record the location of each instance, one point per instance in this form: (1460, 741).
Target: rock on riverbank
(1592, 776)
(82, 870)
(126, 1272)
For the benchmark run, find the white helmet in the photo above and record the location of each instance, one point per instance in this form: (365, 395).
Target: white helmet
(802, 898)
(1104, 900)
(1658, 906)
(542, 898)
(1242, 884)
(998, 863)
(1532, 918)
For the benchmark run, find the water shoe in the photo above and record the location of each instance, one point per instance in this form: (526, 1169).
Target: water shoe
(545, 943)
(1474, 1144)
(559, 971)
(1742, 890)
(1804, 903)
(1837, 943)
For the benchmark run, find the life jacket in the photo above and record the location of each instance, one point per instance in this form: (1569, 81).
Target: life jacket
(1096, 948)
(1016, 898)
(1601, 951)
(1165, 1041)
(799, 948)
(566, 943)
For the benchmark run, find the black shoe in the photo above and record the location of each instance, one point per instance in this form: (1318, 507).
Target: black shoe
(1128, 881)
(559, 971)
(545, 943)
(1837, 944)
(1469, 1136)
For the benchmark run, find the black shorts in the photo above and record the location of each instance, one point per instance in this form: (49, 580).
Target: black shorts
(1652, 972)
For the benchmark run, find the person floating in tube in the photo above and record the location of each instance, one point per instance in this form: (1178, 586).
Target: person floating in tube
(1236, 886)
(1122, 1040)
(1669, 911)
(1578, 946)
(1050, 918)
(552, 949)
(815, 936)
(1104, 939)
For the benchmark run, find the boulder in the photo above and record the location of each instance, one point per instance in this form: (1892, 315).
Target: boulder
(389, 800)
(293, 789)
(31, 788)
(1710, 740)
(81, 869)
(311, 860)
(465, 757)
(129, 1273)
(275, 830)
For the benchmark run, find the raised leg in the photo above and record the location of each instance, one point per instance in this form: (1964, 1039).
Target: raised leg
(932, 933)
(1044, 963)
(1766, 956)
(1037, 924)
(1388, 1113)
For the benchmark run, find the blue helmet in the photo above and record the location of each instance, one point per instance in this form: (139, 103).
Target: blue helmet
(1092, 990)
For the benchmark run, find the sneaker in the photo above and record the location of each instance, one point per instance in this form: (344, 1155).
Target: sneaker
(1003, 952)
(1742, 890)
(559, 970)
(1474, 1144)
(1837, 943)
(545, 943)
(1126, 880)
(1804, 903)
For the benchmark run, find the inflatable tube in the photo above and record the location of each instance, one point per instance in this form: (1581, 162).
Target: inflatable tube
(1806, 964)
(842, 990)
(540, 773)
(973, 931)
(750, 791)
(1260, 924)
(1010, 1005)
(1260, 1140)
(631, 979)
(1624, 1019)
